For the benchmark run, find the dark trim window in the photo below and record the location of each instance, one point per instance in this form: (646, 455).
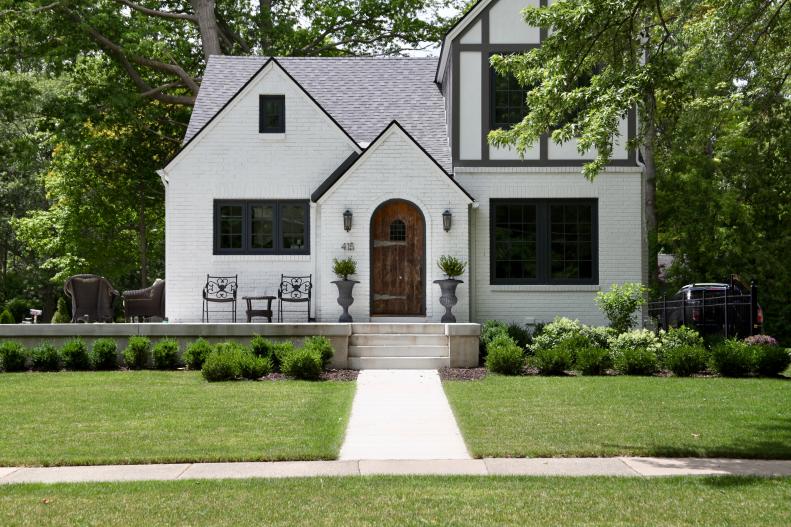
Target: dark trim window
(261, 227)
(544, 241)
(509, 101)
(272, 114)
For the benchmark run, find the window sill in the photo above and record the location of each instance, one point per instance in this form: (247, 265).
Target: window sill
(272, 136)
(544, 288)
(261, 257)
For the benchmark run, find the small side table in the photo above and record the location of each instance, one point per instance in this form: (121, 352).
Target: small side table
(259, 312)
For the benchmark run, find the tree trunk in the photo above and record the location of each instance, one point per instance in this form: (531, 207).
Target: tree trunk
(142, 239)
(649, 187)
(207, 24)
(265, 25)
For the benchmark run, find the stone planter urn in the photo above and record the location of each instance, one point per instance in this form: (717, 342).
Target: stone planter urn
(345, 298)
(448, 299)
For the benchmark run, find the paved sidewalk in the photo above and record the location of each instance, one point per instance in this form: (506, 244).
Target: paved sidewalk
(402, 414)
(619, 466)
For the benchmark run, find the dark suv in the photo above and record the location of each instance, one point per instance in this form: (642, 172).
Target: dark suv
(712, 309)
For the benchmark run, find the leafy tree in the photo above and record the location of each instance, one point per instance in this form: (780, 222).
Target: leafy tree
(674, 60)
(162, 45)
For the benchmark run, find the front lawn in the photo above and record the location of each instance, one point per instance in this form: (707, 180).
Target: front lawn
(400, 501)
(612, 416)
(159, 417)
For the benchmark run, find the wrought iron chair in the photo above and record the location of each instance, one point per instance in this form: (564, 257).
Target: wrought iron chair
(296, 289)
(220, 289)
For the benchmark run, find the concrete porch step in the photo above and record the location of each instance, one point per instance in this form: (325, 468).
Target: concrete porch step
(394, 339)
(399, 328)
(398, 363)
(398, 351)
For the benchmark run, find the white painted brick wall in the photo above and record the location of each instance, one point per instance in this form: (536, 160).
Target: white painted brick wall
(620, 241)
(231, 160)
(396, 168)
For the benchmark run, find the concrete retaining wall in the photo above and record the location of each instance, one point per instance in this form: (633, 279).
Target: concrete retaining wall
(463, 338)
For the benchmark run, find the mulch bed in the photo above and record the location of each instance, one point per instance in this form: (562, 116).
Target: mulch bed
(462, 374)
(329, 375)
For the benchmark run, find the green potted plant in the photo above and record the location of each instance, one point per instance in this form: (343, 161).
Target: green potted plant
(343, 269)
(452, 267)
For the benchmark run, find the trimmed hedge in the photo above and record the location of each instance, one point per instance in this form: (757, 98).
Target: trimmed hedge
(75, 355)
(636, 361)
(323, 346)
(46, 357)
(732, 358)
(303, 363)
(13, 356)
(196, 353)
(592, 360)
(231, 361)
(137, 353)
(685, 360)
(504, 356)
(104, 354)
(166, 354)
(771, 361)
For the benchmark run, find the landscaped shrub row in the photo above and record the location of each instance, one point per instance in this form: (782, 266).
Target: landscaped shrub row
(232, 361)
(226, 361)
(565, 344)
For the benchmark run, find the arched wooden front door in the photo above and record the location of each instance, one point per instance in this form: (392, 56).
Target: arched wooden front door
(398, 257)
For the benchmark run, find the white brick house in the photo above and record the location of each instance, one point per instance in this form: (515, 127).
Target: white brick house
(278, 149)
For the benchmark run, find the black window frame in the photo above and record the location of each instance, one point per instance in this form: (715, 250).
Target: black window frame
(262, 103)
(543, 242)
(246, 205)
(493, 99)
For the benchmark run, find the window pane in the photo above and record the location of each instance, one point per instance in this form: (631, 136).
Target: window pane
(231, 226)
(262, 227)
(515, 241)
(272, 114)
(293, 223)
(510, 105)
(571, 241)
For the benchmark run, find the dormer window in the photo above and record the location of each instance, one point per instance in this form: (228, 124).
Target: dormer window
(272, 114)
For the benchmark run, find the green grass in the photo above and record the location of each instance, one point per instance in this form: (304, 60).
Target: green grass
(611, 416)
(159, 417)
(405, 501)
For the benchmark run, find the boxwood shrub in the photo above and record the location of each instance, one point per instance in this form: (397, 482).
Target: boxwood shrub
(279, 353)
(323, 346)
(685, 360)
(732, 358)
(592, 360)
(75, 355)
(138, 352)
(231, 361)
(196, 353)
(553, 361)
(262, 347)
(770, 361)
(46, 357)
(166, 354)
(636, 361)
(104, 354)
(302, 363)
(504, 356)
(13, 356)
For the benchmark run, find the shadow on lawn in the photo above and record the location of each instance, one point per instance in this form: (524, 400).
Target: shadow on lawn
(770, 441)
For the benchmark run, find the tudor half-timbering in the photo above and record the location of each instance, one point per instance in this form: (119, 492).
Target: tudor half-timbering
(277, 150)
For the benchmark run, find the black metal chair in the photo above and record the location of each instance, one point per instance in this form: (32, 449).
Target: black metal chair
(220, 289)
(296, 289)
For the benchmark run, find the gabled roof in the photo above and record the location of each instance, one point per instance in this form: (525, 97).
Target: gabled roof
(362, 94)
(354, 159)
(454, 31)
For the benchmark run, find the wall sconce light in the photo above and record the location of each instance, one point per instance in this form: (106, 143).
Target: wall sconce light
(446, 220)
(347, 220)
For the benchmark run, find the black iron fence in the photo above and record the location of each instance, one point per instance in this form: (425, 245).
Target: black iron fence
(710, 311)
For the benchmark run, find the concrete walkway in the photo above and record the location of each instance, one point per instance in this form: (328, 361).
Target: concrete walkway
(401, 414)
(620, 466)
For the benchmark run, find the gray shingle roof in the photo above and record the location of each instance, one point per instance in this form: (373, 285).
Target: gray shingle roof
(364, 94)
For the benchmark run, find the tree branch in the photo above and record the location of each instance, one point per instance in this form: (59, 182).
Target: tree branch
(162, 14)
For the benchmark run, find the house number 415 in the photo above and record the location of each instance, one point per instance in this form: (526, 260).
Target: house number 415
(348, 246)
